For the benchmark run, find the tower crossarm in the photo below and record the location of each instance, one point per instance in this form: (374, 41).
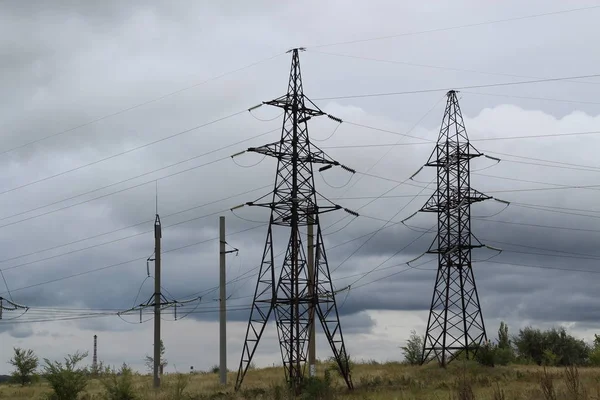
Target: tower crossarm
(287, 103)
(454, 249)
(439, 202)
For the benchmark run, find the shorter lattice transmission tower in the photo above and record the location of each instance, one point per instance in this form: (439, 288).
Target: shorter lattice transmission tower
(293, 297)
(455, 323)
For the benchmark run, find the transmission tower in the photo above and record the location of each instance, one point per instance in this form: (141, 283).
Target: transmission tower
(294, 205)
(455, 322)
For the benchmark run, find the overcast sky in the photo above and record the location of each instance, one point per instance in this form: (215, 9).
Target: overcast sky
(84, 109)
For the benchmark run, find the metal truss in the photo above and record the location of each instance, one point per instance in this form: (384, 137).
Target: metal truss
(293, 205)
(455, 322)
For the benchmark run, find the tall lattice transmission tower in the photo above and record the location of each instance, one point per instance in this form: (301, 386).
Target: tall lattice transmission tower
(295, 294)
(455, 322)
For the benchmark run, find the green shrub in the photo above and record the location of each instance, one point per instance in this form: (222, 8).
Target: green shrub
(413, 351)
(119, 387)
(503, 356)
(486, 354)
(25, 363)
(67, 380)
(315, 388)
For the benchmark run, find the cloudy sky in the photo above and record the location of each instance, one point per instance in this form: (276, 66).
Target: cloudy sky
(105, 105)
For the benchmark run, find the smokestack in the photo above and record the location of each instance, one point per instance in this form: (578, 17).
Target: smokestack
(95, 359)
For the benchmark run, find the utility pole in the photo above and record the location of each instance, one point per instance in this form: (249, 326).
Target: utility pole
(455, 322)
(157, 301)
(222, 305)
(312, 367)
(294, 199)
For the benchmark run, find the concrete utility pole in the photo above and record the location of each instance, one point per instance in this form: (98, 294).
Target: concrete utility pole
(157, 237)
(312, 367)
(222, 305)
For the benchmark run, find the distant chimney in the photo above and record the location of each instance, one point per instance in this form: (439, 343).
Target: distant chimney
(95, 358)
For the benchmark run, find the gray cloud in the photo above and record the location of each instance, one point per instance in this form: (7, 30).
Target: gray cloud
(77, 62)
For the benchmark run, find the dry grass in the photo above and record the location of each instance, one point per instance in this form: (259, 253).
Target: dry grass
(460, 381)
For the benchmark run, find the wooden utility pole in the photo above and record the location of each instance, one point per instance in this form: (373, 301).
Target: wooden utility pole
(157, 301)
(222, 305)
(312, 367)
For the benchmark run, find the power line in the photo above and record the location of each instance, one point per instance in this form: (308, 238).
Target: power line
(539, 98)
(570, 253)
(109, 242)
(365, 95)
(556, 185)
(122, 152)
(124, 110)
(448, 69)
(544, 267)
(475, 24)
(133, 225)
(537, 225)
(544, 160)
(125, 262)
(126, 180)
(428, 141)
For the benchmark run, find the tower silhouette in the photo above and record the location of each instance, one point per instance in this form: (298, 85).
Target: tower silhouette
(294, 205)
(455, 322)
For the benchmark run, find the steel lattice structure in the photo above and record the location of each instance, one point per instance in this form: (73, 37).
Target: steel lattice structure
(293, 205)
(455, 322)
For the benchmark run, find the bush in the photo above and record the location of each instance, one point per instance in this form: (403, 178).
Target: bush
(318, 389)
(551, 347)
(119, 386)
(66, 380)
(503, 356)
(25, 363)
(413, 350)
(486, 354)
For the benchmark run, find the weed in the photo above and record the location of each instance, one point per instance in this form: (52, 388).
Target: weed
(177, 388)
(464, 388)
(119, 386)
(499, 393)
(573, 383)
(547, 385)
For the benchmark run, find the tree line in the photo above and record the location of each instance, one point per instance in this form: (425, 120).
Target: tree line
(551, 347)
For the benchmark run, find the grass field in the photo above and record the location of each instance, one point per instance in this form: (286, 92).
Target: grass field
(460, 381)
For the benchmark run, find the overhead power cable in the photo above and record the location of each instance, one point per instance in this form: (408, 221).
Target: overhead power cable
(124, 110)
(122, 152)
(497, 84)
(125, 262)
(591, 167)
(127, 180)
(463, 26)
(470, 71)
(133, 225)
(111, 241)
(514, 223)
(538, 98)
